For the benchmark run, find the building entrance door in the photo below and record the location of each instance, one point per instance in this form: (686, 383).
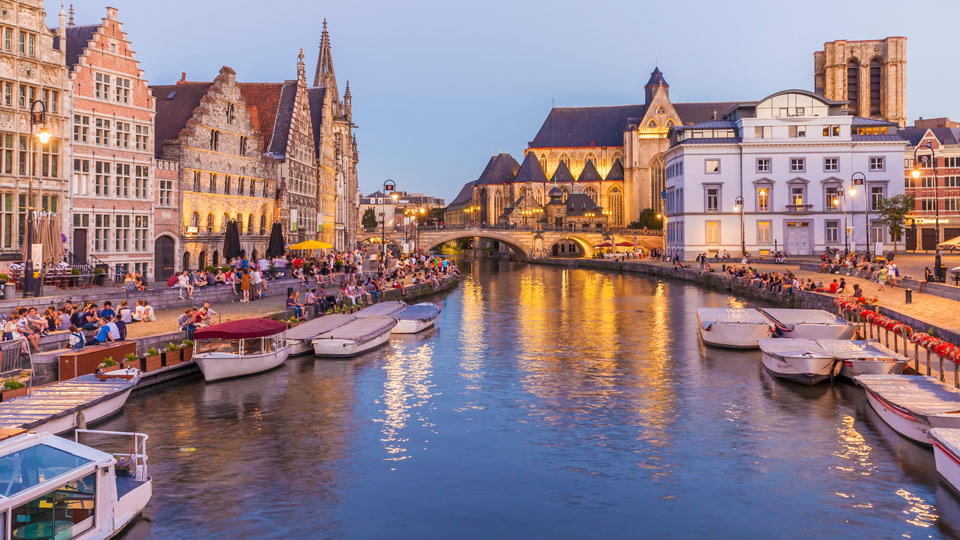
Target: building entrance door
(798, 238)
(80, 244)
(163, 258)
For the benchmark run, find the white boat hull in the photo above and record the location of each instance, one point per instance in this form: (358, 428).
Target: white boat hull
(734, 336)
(803, 370)
(218, 366)
(409, 326)
(299, 346)
(131, 505)
(343, 348)
(821, 331)
(854, 367)
(947, 459)
(901, 420)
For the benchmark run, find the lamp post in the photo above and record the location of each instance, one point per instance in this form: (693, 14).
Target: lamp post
(860, 179)
(842, 200)
(936, 184)
(36, 118)
(738, 202)
(390, 187)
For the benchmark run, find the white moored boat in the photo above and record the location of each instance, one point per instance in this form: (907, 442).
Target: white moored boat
(389, 308)
(56, 488)
(912, 405)
(864, 357)
(355, 337)
(416, 318)
(237, 348)
(946, 451)
(798, 360)
(300, 338)
(809, 323)
(736, 328)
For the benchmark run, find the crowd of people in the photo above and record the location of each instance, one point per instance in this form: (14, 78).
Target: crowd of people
(884, 272)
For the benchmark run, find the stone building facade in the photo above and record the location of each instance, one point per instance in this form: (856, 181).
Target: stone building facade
(112, 203)
(870, 76)
(167, 226)
(207, 129)
(32, 68)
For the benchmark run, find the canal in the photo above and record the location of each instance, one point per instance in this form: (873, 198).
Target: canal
(547, 403)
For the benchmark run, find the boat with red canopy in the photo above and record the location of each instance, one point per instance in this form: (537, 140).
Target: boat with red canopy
(237, 348)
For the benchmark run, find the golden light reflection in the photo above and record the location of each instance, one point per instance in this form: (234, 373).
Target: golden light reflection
(407, 395)
(853, 447)
(472, 338)
(921, 514)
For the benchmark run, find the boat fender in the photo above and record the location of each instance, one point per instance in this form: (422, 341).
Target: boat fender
(835, 369)
(80, 421)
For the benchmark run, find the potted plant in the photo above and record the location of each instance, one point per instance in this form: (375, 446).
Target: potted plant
(130, 360)
(292, 321)
(124, 466)
(74, 276)
(186, 350)
(13, 388)
(99, 276)
(151, 360)
(108, 364)
(172, 355)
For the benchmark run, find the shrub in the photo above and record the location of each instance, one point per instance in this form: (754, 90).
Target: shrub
(172, 347)
(109, 361)
(225, 268)
(4, 277)
(99, 271)
(75, 272)
(130, 357)
(186, 344)
(210, 270)
(12, 384)
(152, 351)
(292, 320)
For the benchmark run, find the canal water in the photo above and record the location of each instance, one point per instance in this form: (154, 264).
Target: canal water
(547, 403)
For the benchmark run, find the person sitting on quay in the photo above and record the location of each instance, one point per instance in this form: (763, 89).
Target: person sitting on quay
(185, 322)
(129, 283)
(124, 313)
(139, 281)
(63, 321)
(146, 312)
(857, 291)
(107, 312)
(77, 341)
(14, 330)
(103, 336)
(927, 278)
(181, 282)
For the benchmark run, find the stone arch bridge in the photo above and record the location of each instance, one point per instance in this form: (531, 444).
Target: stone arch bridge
(527, 244)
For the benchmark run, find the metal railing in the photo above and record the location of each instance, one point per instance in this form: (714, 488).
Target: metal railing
(15, 359)
(136, 459)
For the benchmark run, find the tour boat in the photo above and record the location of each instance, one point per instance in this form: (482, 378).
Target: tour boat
(911, 404)
(300, 338)
(946, 452)
(798, 360)
(355, 337)
(57, 488)
(736, 328)
(65, 405)
(809, 323)
(416, 318)
(383, 309)
(237, 348)
(864, 357)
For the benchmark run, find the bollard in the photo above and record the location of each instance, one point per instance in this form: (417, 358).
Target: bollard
(941, 367)
(926, 353)
(909, 293)
(956, 375)
(916, 358)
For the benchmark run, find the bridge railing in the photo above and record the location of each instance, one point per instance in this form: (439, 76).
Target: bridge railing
(486, 227)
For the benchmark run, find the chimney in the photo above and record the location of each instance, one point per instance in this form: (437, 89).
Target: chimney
(183, 76)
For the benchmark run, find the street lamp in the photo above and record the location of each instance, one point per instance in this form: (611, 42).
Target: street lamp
(36, 118)
(738, 207)
(936, 184)
(389, 186)
(842, 199)
(862, 181)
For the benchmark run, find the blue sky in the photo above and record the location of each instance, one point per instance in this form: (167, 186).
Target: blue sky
(438, 86)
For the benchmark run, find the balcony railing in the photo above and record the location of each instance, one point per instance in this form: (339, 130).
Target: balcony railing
(799, 207)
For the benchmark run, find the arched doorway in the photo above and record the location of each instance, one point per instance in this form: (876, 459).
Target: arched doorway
(216, 259)
(163, 258)
(202, 260)
(254, 256)
(186, 260)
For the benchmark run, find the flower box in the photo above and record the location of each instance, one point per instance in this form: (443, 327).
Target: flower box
(10, 394)
(151, 363)
(171, 357)
(107, 369)
(186, 354)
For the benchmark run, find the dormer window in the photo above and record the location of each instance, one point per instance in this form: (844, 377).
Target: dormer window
(652, 124)
(660, 109)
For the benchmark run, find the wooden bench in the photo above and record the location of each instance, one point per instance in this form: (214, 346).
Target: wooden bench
(76, 362)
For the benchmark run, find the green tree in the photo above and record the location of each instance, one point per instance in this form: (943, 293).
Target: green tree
(369, 220)
(648, 219)
(893, 213)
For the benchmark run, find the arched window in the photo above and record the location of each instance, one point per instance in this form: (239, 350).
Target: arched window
(615, 204)
(253, 184)
(240, 223)
(186, 260)
(254, 255)
(216, 258)
(566, 193)
(660, 109)
(590, 159)
(250, 224)
(226, 184)
(522, 193)
(652, 124)
(223, 225)
(876, 83)
(543, 162)
(202, 260)
(195, 220)
(240, 182)
(539, 196)
(565, 159)
(657, 183)
(669, 123)
(616, 155)
(497, 206)
(853, 85)
(592, 193)
(213, 183)
(209, 223)
(263, 225)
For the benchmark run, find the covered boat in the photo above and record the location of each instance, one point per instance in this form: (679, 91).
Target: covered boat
(737, 328)
(798, 360)
(912, 405)
(57, 488)
(946, 452)
(383, 309)
(864, 357)
(416, 318)
(300, 338)
(355, 337)
(809, 323)
(237, 348)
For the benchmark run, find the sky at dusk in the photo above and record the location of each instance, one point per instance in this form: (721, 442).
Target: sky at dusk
(439, 86)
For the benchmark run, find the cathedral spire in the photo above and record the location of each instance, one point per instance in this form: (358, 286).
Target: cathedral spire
(71, 15)
(324, 75)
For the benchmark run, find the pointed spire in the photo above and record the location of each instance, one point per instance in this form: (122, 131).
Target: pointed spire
(347, 93)
(70, 22)
(324, 75)
(62, 30)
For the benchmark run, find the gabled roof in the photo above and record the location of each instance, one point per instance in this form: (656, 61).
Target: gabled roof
(579, 203)
(464, 197)
(530, 170)
(175, 105)
(656, 78)
(562, 174)
(263, 102)
(281, 128)
(914, 135)
(589, 174)
(315, 98)
(501, 169)
(616, 171)
(77, 39)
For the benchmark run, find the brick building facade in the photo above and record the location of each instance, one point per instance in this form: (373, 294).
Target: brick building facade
(167, 224)
(112, 188)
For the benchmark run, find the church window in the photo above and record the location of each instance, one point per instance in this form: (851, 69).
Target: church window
(263, 224)
(590, 159)
(853, 86)
(565, 159)
(250, 224)
(615, 204)
(214, 140)
(592, 193)
(652, 124)
(538, 196)
(617, 156)
(223, 224)
(660, 109)
(566, 193)
(658, 182)
(543, 162)
(876, 72)
(669, 123)
(497, 206)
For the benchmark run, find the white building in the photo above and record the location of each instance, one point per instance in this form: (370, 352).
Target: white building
(797, 160)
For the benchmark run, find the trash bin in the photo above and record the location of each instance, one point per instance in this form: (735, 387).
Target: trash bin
(941, 273)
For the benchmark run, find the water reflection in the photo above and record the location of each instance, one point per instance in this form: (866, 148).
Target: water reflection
(406, 395)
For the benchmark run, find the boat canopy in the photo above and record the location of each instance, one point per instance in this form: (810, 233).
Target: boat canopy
(710, 316)
(361, 330)
(319, 325)
(242, 329)
(803, 316)
(948, 437)
(383, 309)
(419, 312)
(917, 394)
(787, 347)
(848, 349)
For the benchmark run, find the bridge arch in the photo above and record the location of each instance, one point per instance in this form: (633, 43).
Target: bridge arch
(585, 245)
(431, 240)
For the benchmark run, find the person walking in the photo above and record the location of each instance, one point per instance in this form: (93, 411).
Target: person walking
(245, 286)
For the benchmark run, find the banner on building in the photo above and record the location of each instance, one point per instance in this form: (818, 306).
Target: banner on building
(293, 220)
(320, 222)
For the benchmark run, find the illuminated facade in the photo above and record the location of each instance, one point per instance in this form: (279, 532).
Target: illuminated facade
(870, 76)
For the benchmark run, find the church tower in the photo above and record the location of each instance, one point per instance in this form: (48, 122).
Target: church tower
(656, 81)
(869, 75)
(324, 75)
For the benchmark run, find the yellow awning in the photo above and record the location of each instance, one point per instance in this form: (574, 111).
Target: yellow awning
(312, 244)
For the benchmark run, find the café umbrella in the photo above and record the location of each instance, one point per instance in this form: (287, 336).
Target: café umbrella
(24, 245)
(625, 243)
(604, 245)
(53, 242)
(276, 248)
(231, 241)
(312, 244)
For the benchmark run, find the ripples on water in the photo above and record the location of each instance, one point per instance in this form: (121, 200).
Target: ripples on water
(548, 402)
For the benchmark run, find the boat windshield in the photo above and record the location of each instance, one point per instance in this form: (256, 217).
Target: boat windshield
(231, 346)
(35, 465)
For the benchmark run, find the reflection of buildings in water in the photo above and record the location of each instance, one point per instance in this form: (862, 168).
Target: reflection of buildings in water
(472, 337)
(407, 393)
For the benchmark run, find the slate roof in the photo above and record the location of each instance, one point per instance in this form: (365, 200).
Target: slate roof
(915, 135)
(579, 203)
(656, 78)
(887, 137)
(616, 171)
(861, 121)
(281, 128)
(530, 170)
(77, 39)
(501, 169)
(464, 197)
(589, 174)
(263, 101)
(567, 127)
(175, 105)
(562, 174)
(315, 98)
